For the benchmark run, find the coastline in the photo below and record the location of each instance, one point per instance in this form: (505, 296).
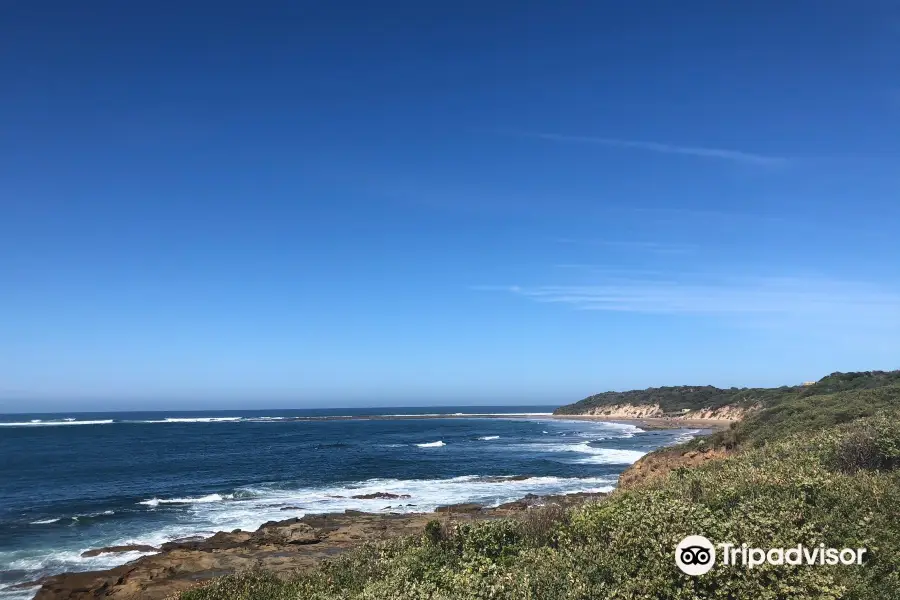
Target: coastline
(278, 546)
(650, 423)
(282, 545)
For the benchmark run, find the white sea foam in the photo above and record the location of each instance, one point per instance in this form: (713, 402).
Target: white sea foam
(259, 504)
(686, 436)
(248, 508)
(611, 456)
(8, 593)
(40, 423)
(487, 438)
(69, 558)
(459, 414)
(200, 419)
(436, 444)
(198, 500)
(608, 456)
(45, 521)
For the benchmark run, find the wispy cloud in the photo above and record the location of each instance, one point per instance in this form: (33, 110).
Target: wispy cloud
(803, 298)
(737, 156)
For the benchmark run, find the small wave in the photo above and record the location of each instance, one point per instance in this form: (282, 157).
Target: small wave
(39, 423)
(609, 456)
(488, 438)
(200, 419)
(436, 444)
(686, 437)
(459, 414)
(199, 500)
(45, 521)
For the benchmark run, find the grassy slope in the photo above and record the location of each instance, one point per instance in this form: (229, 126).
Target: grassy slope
(677, 398)
(806, 470)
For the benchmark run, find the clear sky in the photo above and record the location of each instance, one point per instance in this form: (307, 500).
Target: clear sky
(237, 205)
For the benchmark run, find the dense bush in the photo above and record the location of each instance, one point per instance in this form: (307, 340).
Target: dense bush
(677, 398)
(805, 415)
(837, 486)
(674, 399)
(872, 444)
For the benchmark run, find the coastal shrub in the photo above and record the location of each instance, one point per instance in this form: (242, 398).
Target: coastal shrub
(434, 532)
(872, 444)
(541, 525)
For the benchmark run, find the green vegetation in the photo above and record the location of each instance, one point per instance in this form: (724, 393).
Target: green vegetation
(809, 468)
(673, 400)
(804, 413)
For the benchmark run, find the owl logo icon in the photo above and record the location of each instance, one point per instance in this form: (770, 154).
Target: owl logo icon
(695, 555)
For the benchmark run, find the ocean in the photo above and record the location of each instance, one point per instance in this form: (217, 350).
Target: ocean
(72, 482)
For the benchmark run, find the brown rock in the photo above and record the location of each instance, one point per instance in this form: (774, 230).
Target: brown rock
(467, 507)
(380, 496)
(291, 533)
(113, 549)
(516, 505)
(502, 478)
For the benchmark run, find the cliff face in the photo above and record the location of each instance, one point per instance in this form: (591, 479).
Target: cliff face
(654, 411)
(723, 413)
(626, 411)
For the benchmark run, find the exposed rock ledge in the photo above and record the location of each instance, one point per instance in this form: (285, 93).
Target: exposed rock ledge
(661, 462)
(278, 546)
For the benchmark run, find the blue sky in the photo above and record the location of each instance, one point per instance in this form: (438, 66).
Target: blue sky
(322, 204)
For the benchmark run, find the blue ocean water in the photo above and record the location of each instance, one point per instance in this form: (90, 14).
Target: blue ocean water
(72, 482)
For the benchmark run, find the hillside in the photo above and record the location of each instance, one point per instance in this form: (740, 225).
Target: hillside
(676, 401)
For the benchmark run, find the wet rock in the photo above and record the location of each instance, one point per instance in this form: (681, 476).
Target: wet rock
(380, 496)
(292, 533)
(466, 507)
(115, 549)
(504, 478)
(516, 505)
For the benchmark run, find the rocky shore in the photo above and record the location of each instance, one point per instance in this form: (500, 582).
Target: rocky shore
(278, 546)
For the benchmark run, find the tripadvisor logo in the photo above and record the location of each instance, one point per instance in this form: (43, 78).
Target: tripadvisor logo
(696, 555)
